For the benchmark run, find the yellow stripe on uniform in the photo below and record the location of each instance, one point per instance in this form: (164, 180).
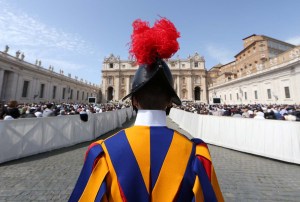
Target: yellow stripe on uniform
(203, 151)
(95, 181)
(197, 189)
(111, 179)
(173, 169)
(139, 140)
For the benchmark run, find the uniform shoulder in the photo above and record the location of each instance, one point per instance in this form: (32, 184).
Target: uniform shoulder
(180, 134)
(99, 143)
(120, 132)
(198, 141)
(201, 148)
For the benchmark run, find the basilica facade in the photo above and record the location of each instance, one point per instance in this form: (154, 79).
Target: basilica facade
(189, 77)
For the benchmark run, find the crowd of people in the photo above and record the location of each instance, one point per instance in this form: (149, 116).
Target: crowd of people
(256, 111)
(14, 110)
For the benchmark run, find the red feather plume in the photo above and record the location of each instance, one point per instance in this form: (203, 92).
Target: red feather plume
(148, 44)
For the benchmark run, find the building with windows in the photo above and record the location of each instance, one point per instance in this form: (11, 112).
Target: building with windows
(28, 83)
(265, 71)
(189, 77)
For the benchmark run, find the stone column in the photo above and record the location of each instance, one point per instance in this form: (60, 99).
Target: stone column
(19, 88)
(127, 85)
(117, 88)
(104, 92)
(1, 82)
(295, 82)
(35, 89)
(203, 94)
(13, 86)
(189, 88)
(49, 86)
(178, 86)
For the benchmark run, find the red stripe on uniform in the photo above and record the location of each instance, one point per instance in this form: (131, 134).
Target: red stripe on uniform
(91, 145)
(122, 193)
(206, 164)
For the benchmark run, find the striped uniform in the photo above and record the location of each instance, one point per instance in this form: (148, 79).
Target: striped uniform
(143, 163)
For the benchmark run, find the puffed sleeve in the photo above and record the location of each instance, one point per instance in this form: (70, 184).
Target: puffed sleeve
(206, 187)
(91, 185)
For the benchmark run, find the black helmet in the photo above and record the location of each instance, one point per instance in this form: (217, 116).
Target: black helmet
(149, 46)
(145, 73)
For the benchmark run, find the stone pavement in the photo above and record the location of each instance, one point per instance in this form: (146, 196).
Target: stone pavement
(51, 176)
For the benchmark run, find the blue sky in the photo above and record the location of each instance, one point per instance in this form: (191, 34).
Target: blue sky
(76, 35)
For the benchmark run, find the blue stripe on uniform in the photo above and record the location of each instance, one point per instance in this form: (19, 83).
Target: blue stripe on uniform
(101, 192)
(160, 141)
(207, 189)
(126, 167)
(86, 171)
(186, 187)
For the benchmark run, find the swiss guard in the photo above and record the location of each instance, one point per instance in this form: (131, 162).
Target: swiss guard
(149, 161)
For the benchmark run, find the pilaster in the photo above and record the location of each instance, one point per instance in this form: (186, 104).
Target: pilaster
(127, 85)
(117, 89)
(1, 82)
(203, 92)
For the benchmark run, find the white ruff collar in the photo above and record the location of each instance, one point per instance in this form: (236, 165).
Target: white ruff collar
(151, 118)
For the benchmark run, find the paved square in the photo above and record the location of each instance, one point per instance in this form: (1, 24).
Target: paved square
(51, 176)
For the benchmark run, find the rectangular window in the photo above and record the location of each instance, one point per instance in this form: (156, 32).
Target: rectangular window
(111, 65)
(42, 89)
(255, 94)
(87, 95)
(77, 96)
(82, 97)
(245, 95)
(225, 97)
(63, 93)
(230, 97)
(54, 92)
(25, 88)
(287, 92)
(196, 64)
(71, 94)
(237, 96)
(269, 93)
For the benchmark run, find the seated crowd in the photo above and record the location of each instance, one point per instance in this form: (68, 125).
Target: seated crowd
(256, 111)
(13, 110)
